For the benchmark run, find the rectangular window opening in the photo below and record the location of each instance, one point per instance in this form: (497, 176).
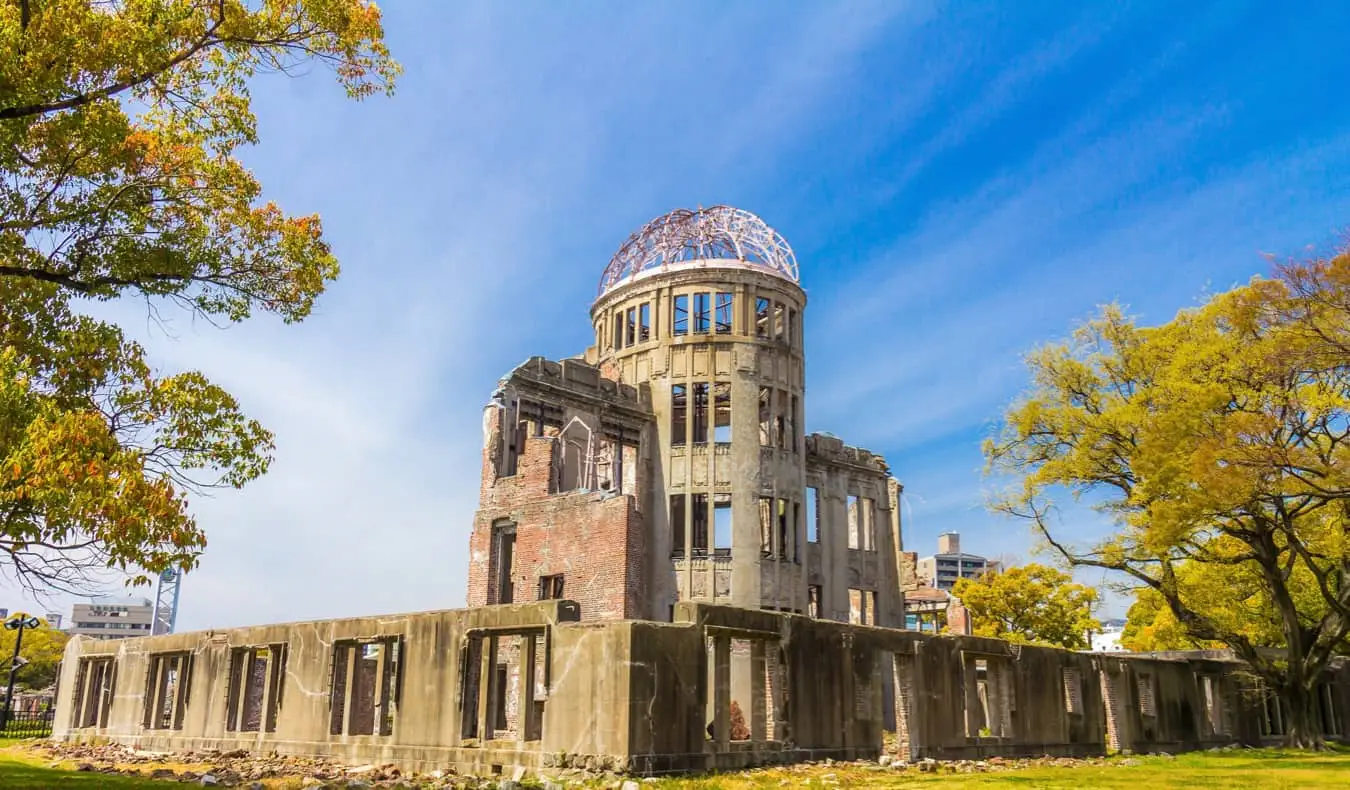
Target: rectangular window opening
(95, 682)
(700, 422)
(551, 587)
(867, 524)
(778, 316)
(854, 534)
(253, 699)
(765, 417)
(792, 424)
(699, 506)
(1144, 687)
(1073, 690)
(812, 515)
(724, 313)
(796, 530)
(784, 536)
(630, 336)
(167, 687)
(645, 322)
(792, 327)
(680, 316)
(813, 596)
(364, 688)
(679, 409)
(722, 412)
(766, 526)
(677, 523)
(702, 313)
(722, 524)
(502, 563)
(761, 317)
(618, 330)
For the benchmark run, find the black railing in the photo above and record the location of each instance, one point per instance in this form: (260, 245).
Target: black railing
(27, 724)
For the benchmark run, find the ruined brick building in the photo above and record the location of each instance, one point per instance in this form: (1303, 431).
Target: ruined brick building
(669, 461)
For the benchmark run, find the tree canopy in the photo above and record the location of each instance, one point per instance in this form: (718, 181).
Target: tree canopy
(1030, 604)
(119, 125)
(41, 650)
(1219, 446)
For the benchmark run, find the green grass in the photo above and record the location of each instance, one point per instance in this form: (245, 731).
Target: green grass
(1268, 769)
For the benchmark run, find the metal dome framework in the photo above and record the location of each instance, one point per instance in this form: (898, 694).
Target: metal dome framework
(716, 233)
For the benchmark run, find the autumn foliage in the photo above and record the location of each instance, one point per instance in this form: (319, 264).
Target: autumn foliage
(119, 125)
(1218, 445)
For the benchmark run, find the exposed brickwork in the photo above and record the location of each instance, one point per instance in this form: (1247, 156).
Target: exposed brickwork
(595, 540)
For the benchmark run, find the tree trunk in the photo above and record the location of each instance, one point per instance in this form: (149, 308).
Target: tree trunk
(1304, 726)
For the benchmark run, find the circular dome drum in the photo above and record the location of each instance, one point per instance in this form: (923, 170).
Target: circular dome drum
(705, 234)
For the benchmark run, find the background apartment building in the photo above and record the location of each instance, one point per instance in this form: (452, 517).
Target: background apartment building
(949, 564)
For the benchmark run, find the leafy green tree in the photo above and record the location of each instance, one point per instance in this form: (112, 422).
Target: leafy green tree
(41, 650)
(1219, 445)
(119, 125)
(1030, 604)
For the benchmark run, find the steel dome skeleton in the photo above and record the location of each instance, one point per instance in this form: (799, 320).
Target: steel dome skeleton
(716, 233)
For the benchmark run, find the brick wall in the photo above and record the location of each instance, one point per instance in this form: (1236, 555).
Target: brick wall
(597, 541)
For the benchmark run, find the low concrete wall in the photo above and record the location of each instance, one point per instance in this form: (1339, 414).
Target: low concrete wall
(487, 689)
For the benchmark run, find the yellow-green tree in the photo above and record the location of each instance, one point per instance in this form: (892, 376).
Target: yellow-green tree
(1219, 445)
(41, 652)
(119, 127)
(1031, 604)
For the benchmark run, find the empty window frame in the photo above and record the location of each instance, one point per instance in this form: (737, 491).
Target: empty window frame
(765, 417)
(724, 312)
(862, 606)
(766, 546)
(700, 421)
(722, 524)
(679, 414)
(644, 322)
(792, 424)
(813, 599)
(95, 683)
(867, 526)
(699, 513)
(792, 327)
(780, 420)
(854, 523)
(1073, 690)
(702, 313)
(257, 680)
(679, 316)
(784, 534)
(796, 531)
(551, 587)
(1144, 688)
(501, 563)
(618, 330)
(364, 687)
(761, 317)
(167, 687)
(779, 311)
(630, 327)
(812, 515)
(678, 518)
(722, 412)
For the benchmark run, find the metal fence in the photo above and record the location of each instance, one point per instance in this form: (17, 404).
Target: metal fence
(27, 724)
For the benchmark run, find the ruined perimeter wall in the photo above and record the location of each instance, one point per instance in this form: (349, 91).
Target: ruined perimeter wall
(482, 690)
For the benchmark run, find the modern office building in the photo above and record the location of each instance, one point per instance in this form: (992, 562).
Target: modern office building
(111, 617)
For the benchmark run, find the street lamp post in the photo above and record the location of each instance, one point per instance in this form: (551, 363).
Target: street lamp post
(16, 623)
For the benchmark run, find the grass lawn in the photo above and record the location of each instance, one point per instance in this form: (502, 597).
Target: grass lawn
(1266, 769)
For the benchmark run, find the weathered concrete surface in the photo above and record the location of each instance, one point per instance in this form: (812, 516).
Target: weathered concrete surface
(486, 689)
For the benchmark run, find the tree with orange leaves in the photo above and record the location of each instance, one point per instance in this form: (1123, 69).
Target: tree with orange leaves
(119, 127)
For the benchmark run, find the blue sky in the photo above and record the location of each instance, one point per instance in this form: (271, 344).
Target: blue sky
(960, 181)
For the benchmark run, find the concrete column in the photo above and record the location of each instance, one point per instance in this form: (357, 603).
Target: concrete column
(486, 680)
(721, 692)
(527, 730)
